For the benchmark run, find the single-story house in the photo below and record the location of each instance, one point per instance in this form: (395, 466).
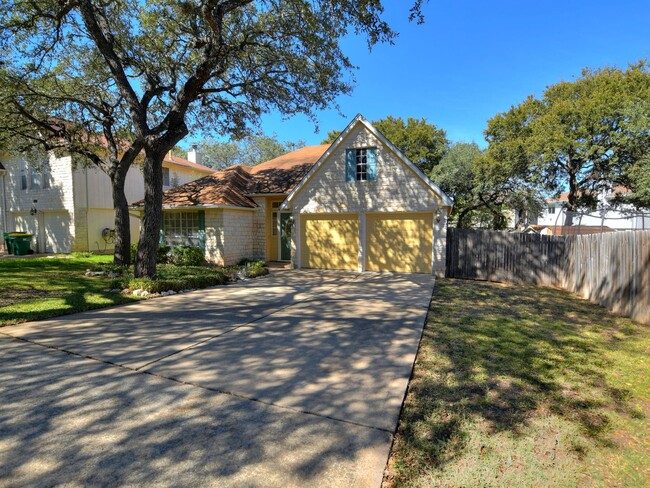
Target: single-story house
(357, 204)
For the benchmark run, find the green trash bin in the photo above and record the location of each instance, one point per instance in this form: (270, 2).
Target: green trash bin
(21, 242)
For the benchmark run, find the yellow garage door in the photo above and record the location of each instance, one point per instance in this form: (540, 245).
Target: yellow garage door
(330, 241)
(399, 242)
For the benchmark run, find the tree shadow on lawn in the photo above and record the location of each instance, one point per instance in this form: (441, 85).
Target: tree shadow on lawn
(499, 357)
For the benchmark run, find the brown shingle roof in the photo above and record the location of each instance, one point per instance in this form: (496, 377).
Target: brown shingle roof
(233, 186)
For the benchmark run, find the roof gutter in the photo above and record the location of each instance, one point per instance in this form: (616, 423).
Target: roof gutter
(184, 207)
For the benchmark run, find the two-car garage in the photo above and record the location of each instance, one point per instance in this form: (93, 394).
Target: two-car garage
(399, 242)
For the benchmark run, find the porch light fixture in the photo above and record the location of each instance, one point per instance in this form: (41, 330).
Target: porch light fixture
(33, 210)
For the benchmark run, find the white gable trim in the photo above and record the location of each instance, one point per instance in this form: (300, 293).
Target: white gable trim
(446, 201)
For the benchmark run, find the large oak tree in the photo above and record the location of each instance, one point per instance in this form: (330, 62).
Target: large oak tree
(577, 135)
(115, 79)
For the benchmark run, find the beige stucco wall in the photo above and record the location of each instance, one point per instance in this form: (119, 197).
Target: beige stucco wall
(397, 189)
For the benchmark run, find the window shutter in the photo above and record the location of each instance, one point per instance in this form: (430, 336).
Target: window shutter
(202, 229)
(350, 164)
(371, 168)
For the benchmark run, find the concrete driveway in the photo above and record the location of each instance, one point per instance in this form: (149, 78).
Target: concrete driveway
(294, 379)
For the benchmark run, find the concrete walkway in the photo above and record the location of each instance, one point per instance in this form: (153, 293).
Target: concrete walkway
(295, 379)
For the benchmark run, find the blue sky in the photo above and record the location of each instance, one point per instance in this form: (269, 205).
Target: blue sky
(474, 59)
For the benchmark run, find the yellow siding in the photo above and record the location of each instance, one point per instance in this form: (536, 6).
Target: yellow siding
(399, 242)
(330, 241)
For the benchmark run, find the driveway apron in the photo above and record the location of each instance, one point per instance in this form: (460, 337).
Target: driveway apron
(295, 379)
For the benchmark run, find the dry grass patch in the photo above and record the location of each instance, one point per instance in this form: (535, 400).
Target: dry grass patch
(524, 386)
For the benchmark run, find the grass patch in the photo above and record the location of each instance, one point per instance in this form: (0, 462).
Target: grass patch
(524, 386)
(40, 288)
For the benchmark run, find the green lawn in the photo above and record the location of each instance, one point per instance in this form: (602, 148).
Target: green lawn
(524, 386)
(38, 288)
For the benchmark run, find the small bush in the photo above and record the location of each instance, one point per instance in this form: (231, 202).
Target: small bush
(256, 268)
(213, 278)
(187, 256)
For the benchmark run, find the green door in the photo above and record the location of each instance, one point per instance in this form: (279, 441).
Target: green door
(285, 237)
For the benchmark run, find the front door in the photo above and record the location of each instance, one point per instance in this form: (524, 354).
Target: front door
(285, 237)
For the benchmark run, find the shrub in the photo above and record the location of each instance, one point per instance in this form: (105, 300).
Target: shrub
(187, 256)
(164, 252)
(213, 278)
(256, 268)
(162, 256)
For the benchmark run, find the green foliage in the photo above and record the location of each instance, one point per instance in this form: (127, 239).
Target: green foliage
(248, 151)
(186, 282)
(576, 135)
(186, 256)
(256, 268)
(484, 192)
(421, 142)
(39, 288)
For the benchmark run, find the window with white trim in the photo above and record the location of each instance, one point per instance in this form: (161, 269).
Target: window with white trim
(181, 228)
(361, 158)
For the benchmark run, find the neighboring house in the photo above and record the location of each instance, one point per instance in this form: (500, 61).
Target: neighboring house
(566, 230)
(622, 217)
(357, 204)
(69, 207)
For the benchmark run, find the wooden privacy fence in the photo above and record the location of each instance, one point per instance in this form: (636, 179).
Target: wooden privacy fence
(611, 269)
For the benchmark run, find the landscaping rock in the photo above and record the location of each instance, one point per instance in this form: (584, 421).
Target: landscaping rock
(145, 293)
(94, 273)
(138, 292)
(171, 292)
(126, 291)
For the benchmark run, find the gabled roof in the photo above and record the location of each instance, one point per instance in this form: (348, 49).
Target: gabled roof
(234, 186)
(359, 119)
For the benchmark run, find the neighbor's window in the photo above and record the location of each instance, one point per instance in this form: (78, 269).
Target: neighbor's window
(166, 179)
(46, 176)
(23, 178)
(35, 179)
(181, 228)
(551, 210)
(361, 164)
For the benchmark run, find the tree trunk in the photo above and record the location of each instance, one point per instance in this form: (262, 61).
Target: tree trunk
(571, 199)
(122, 252)
(145, 259)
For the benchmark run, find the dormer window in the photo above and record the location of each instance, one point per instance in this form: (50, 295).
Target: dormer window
(361, 164)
